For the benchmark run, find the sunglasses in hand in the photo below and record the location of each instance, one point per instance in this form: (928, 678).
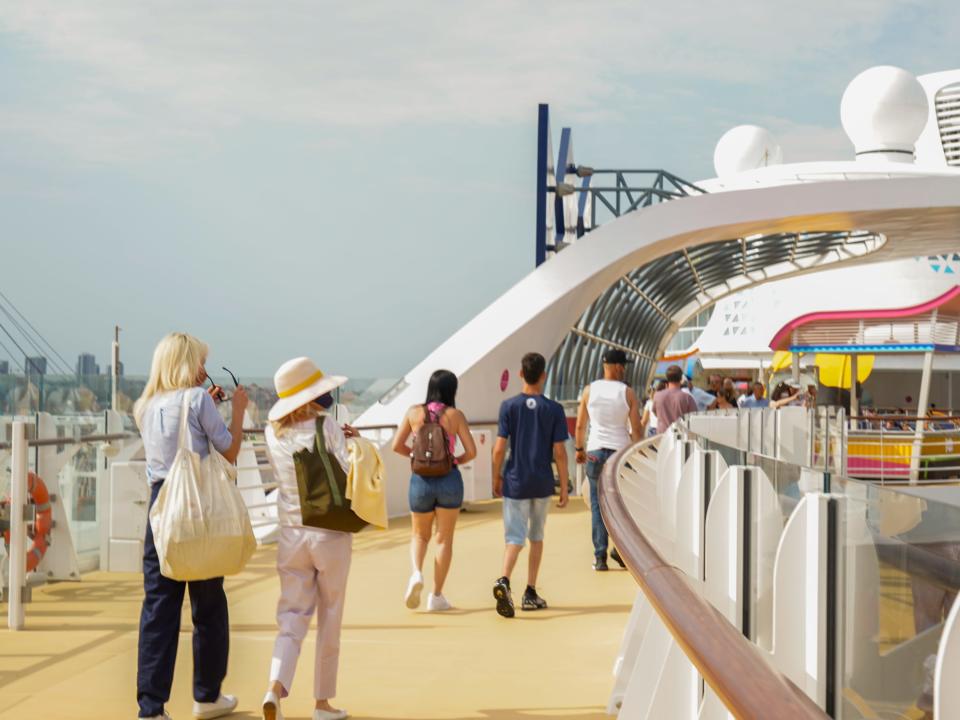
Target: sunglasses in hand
(216, 392)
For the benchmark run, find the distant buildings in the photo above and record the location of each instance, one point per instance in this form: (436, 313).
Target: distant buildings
(4, 367)
(119, 369)
(87, 365)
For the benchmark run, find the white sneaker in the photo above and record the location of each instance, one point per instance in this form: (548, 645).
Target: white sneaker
(327, 715)
(271, 707)
(437, 603)
(414, 588)
(224, 705)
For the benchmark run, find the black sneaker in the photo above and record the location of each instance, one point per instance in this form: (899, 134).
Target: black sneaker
(532, 601)
(501, 592)
(615, 556)
(600, 565)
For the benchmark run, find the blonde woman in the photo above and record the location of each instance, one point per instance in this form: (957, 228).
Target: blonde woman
(312, 563)
(178, 369)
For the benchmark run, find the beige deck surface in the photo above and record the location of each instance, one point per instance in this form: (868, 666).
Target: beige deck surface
(77, 658)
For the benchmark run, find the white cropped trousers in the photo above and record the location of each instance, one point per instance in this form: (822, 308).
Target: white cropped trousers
(313, 566)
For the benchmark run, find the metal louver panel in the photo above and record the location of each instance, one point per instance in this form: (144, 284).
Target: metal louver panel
(948, 120)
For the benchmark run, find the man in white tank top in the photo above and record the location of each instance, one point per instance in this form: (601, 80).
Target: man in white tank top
(611, 409)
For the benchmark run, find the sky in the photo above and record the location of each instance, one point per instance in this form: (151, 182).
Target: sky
(355, 181)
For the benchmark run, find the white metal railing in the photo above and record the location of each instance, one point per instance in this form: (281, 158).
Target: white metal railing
(818, 571)
(932, 328)
(17, 508)
(18, 528)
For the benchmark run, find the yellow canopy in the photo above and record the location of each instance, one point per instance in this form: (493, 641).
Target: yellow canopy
(835, 369)
(782, 359)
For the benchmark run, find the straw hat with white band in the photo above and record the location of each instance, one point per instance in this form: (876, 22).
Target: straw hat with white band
(297, 382)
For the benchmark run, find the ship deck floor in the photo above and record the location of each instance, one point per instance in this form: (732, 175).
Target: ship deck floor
(77, 656)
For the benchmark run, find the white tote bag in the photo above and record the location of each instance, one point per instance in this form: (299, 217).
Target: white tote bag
(201, 527)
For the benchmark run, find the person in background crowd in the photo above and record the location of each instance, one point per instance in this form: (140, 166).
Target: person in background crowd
(714, 384)
(176, 375)
(435, 499)
(702, 398)
(756, 399)
(780, 390)
(612, 410)
(786, 393)
(536, 430)
(672, 402)
(726, 397)
(312, 563)
(649, 419)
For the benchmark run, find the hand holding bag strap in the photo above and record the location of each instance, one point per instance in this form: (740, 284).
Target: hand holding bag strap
(184, 439)
(325, 459)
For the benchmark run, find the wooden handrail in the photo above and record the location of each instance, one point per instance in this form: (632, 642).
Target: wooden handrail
(734, 667)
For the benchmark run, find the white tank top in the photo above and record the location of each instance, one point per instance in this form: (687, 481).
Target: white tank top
(608, 412)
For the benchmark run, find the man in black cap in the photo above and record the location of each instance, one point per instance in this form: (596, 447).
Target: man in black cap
(613, 412)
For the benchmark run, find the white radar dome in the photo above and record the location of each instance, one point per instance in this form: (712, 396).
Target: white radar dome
(883, 111)
(745, 147)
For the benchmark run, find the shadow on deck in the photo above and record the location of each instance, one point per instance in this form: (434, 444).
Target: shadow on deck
(77, 658)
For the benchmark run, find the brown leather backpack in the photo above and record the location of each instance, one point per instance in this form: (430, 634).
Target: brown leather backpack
(431, 456)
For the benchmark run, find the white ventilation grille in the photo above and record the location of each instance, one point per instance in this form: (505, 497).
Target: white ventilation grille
(948, 120)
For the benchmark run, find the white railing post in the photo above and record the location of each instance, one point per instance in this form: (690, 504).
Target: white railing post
(807, 574)
(18, 529)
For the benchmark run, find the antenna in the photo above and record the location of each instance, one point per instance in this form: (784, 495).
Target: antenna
(115, 368)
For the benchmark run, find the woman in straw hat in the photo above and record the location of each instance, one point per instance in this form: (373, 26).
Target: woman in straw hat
(312, 562)
(177, 371)
(435, 499)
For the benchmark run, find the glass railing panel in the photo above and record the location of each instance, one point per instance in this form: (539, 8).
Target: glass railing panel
(900, 555)
(80, 481)
(790, 482)
(65, 394)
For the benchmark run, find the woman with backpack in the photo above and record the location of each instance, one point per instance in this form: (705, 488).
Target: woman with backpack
(436, 486)
(312, 560)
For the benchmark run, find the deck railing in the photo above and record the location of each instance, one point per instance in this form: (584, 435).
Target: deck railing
(734, 667)
(766, 573)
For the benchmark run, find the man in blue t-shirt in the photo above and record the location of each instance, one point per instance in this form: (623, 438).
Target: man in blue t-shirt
(536, 429)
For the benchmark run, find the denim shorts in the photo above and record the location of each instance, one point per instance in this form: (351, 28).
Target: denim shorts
(524, 518)
(427, 494)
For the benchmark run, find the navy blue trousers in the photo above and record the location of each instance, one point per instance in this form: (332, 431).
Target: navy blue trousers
(160, 632)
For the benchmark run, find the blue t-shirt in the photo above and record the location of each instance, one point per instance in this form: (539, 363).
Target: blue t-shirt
(533, 424)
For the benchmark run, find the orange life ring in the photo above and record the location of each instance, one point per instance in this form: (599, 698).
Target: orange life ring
(43, 525)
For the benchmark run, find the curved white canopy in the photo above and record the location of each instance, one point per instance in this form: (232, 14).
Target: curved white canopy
(914, 215)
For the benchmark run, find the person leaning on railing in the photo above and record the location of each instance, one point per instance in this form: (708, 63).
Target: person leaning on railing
(177, 369)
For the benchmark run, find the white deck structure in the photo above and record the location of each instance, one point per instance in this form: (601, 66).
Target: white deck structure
(907, 207)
